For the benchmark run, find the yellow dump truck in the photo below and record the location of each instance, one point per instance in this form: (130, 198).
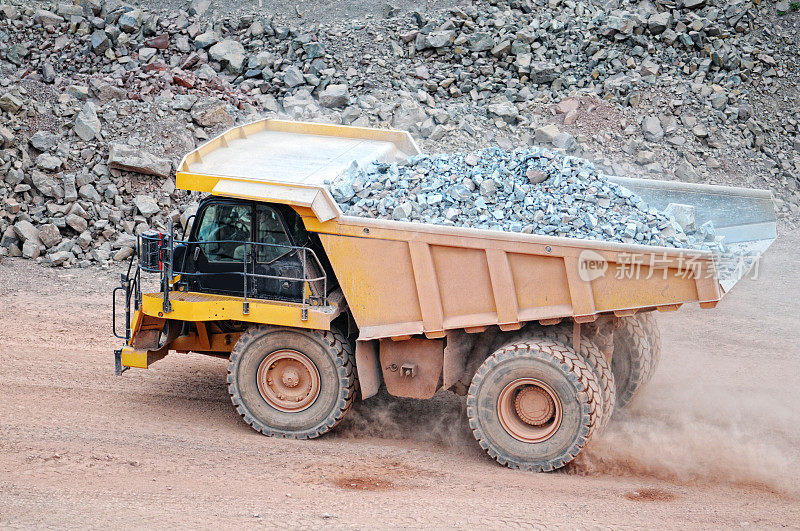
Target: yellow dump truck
(313, 309)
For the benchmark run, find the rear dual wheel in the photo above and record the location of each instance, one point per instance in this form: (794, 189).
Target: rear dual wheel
(637, 351)
(532, 404)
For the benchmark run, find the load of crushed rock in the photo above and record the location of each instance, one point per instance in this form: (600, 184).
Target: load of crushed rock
(530, 190)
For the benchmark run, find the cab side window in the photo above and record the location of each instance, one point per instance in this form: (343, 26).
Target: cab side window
(269, 229)
(225, 227)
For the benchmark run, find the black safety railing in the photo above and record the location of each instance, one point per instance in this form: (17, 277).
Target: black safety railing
(156, 254)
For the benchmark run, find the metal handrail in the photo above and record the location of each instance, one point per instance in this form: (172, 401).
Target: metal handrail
(168, 273)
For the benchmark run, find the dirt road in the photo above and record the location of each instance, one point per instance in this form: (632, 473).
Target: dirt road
(712, 443)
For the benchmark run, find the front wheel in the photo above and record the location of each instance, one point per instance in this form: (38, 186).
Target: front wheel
(531, 404)
(292, 382)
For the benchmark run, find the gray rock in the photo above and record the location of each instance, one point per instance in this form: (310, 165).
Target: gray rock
(505, 110)
(70, 192)
(334, 96)
(543, 72)
(402, 211)
(125, 157)
(10, 103)
(31, 249)
(229, 52)
(564, 141)
(546, 134)
(44, 140)
(87, 124)
(146, 205)
(88, 192)
(48, 162)
(48, 72)
(651, 127)
(211, 113)
(77, 223)
(25, 231)
(46, 184)
(408, 116)
(649, 68)
(439, 39)
(123, 254)
(694, 4)
(293, 77)
(206, 39)
(684, 215)
(100, 42)
(659, 22)
(686, 172)
(719, 101)
(7, 138)
(183, 102)
(130, 21)
(480, 41)
(60, 257)
(314, 49)
(47, 18)
(145, 54)
(49, 235)
(199, 7)
(9, 237)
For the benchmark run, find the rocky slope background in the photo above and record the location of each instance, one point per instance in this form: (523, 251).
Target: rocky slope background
(100, 100)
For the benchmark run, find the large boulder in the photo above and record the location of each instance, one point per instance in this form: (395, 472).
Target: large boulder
(334, 96)
(230, 53)
(125, 157)
(26, 231)
(210, 113)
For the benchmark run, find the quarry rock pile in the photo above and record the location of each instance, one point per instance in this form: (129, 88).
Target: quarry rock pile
(100, 99)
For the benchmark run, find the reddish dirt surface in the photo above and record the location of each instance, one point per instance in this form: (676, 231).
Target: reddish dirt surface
(711, 443)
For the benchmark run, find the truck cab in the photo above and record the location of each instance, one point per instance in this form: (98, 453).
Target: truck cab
(237, 247)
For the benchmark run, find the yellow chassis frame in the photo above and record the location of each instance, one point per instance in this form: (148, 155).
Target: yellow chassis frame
(199, 308)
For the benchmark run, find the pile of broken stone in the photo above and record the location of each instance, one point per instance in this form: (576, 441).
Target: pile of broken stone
(528, 190)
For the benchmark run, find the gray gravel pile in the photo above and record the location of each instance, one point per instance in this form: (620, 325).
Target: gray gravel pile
(531, 190)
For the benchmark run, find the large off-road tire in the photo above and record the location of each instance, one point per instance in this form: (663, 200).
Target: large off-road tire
(597, 361)
(631, 360)
(650, 326)
(531, 404)
(290, 382)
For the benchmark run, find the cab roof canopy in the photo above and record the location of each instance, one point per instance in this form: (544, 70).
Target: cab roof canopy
(288, 162)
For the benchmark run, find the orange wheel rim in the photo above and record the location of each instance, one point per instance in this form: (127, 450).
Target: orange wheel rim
(288, 380)
(529, 410)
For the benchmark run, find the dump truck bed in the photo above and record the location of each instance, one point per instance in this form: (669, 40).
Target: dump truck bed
(400, 279)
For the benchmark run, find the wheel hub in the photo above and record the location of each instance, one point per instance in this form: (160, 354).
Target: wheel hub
(288, 380)
(529, 410)
(534, 406)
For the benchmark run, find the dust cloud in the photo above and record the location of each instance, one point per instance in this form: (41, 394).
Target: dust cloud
(680, 430)
(440, 421)
(686, 430)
